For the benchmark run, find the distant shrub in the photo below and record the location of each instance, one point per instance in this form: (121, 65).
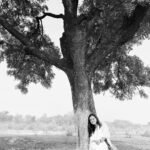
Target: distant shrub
(69, 133)
(146, 133)
(70, 130)
(128, 135)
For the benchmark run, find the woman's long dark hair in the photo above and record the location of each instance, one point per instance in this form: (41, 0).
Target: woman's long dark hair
(91, 127)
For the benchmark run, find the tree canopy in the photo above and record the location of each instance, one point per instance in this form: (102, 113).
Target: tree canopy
(111, 26)
(20, 32)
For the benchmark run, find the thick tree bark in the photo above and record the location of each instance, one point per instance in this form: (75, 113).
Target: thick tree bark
(80, 82)
(83, 105)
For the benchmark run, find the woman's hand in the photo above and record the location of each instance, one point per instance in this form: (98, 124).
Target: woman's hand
(113, 147)
(99, 141)
(102, 139)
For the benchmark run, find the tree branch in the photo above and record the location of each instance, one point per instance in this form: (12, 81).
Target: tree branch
(70, 7)
(57, 62)
(132, 24)
(14, 32)
(139, 2)
(31, 50)
(60, 16)
(123, 35)
(38, 19)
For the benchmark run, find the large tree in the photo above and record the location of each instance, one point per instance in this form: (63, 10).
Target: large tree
(94, 49)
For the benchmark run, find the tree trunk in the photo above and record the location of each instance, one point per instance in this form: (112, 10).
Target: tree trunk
(83, 105)
(80, 82)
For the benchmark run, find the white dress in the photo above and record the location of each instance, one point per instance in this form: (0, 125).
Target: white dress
(100, 132)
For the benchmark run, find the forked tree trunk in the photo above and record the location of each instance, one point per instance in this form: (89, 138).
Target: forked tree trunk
(80, 82)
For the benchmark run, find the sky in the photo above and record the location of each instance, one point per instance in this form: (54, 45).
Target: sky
(57, 100)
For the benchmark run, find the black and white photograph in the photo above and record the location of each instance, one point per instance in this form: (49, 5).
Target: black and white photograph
(74, 74)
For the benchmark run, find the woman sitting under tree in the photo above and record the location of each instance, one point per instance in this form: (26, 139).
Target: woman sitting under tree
(99, 136)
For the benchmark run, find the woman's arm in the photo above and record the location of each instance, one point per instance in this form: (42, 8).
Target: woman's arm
(110, 145)
(106, 134)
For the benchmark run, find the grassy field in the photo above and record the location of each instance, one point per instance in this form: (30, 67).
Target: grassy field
(65, 143)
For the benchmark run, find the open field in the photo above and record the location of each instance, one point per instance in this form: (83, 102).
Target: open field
(65, 143)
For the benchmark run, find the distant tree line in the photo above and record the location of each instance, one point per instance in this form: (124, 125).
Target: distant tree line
(5, 116)
(30, 122)
(65, 123)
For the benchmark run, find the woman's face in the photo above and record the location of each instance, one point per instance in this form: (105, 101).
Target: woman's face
(93, 120)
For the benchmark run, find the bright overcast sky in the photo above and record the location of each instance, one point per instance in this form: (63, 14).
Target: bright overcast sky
(57, 100)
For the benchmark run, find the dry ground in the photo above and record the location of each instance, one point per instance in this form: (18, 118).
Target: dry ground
(65, 143)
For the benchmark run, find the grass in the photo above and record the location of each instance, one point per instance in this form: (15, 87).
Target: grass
(65, 143)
